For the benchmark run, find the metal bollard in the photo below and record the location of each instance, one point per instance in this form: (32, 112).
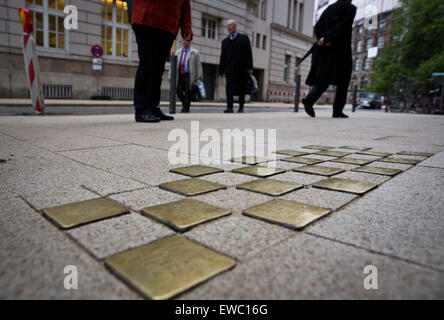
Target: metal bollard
(32, 68)
(297, 92)
(173, 84)
(355, 98)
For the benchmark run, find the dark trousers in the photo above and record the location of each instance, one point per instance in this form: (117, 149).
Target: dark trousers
(230, 94)
(340, 97)
(183, 90)
(154, 46)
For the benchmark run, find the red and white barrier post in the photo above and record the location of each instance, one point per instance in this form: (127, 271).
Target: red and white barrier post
(32, 68)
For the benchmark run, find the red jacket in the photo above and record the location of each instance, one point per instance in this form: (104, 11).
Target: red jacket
(167, 15)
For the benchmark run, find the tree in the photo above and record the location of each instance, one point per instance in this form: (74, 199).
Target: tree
(417, 47)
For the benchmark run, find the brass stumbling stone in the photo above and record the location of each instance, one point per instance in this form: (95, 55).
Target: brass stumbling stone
(259, 171)
(164, 268)
(184, 214)
(345, 185)
(400, 160)
(196, 170)
(329, 153)
(413, 153)
(302, 160)
(378, 170)
(290, 214)
(252, 160)
(354, 161)
(317, 147)
(192, 186)
(83, 212)
(319, 170)
(293, 153)
(270, 187)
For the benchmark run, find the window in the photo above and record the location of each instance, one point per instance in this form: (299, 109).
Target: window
(382, 22)
(369, 44)
(367, 64)
(381, 42)
(359, 46)
(360, 29)
(252, 40)
(357, 64)
(296, 71)
(264, 42)
(287, 68)
(258, 40)
(364, 83)
(47, 17)
(116, 35)
(209, 28)
(264, 9)
(301, 17)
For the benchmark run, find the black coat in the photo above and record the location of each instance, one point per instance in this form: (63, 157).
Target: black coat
(333, 65)
(235, 61)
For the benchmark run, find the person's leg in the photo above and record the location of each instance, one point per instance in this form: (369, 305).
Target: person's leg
(180, 89)
(187, 98)
(315, 93)
(230, 98)
(340, 100)
(144, 71)
(161, 46)
(241, 103)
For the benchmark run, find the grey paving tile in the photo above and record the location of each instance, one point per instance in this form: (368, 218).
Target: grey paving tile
(366, 177)
(320, 198)
(111, 236)
(297, 177)
(308, 267)
(436, 161)
(139, 199)
(403, 218)
(239, 237)
(229, 178)
(34, 254)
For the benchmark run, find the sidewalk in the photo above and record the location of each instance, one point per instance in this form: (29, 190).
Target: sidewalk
(397, 226)
(115, 103)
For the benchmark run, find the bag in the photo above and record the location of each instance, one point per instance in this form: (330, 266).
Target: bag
(201, 89)
(252, 85)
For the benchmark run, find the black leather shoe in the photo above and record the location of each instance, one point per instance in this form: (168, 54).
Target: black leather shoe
(148, 117)
(185, 110)
(308, 108)
(228, 111)
(162, 116)
(241, 110)
(341, 115)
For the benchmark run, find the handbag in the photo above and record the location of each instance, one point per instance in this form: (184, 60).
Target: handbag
(201, 89)
(252, 85)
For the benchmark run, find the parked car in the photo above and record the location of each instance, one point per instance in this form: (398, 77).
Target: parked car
(370, 100)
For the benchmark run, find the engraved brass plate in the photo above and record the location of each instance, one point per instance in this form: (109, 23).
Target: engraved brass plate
(378, 170)
(250, 160)
(375, 153)
(355, 148)
(184, 214)
(288, 213)
(167, 267)
(413, 153)
(347, 160)
(259, 171)
(293, 153)
(400, 160)
(303, 160)
(316, 147)
(191, 187)
(80, 213)
(345, 185)
(196, 170)
(333, 153)
(270, 187)
(319, 170)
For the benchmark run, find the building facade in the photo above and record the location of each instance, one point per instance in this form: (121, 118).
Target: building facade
(280, 32)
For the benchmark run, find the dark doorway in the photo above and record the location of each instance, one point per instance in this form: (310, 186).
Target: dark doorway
(209, 75)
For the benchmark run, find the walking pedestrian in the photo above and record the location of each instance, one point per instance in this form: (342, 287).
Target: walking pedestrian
(189, 70)
(332, 60)
(236, 63)
(156, 25)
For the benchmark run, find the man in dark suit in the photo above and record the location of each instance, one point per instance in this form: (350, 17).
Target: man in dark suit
(236, 62)
(332, 60)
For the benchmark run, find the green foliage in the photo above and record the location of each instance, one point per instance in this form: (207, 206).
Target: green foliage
(417, 47)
